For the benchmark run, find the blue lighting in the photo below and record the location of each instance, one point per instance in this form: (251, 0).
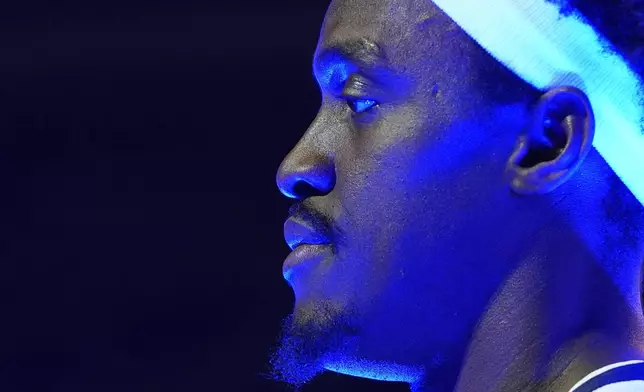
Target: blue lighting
(375, 371)
(333, 71)
(547, 49)
(361, 105)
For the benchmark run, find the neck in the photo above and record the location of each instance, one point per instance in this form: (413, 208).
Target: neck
(557, 317)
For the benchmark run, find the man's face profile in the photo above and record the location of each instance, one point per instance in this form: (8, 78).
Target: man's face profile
(405, 227)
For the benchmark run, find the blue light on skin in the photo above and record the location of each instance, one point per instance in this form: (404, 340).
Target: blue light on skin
(445, 331)
(361, 105)
(333, 71)
(543, 51)
(332, 74)
(376, 371)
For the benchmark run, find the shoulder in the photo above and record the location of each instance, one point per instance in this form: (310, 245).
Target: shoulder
(619, 377)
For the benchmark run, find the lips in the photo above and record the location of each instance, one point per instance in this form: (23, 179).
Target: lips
(305, 229)
(309, 236)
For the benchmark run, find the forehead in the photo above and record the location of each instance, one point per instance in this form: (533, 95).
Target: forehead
(398, 30)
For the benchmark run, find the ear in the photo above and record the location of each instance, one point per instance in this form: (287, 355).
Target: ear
(558, 139)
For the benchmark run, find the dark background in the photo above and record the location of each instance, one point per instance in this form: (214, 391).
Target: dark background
(141, 226)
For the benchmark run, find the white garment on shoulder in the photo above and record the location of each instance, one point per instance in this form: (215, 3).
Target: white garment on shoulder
(623, 386)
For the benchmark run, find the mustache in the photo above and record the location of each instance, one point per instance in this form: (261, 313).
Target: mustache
(321, 222)
(306, 211)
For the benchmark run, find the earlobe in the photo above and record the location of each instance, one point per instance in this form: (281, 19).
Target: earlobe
(558, 139)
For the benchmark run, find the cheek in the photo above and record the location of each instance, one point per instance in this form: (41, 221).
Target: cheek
(408, 188)
(384, 172)
(402, 191)
(378, 210)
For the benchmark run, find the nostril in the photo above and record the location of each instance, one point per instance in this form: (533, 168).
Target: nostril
(302, 190)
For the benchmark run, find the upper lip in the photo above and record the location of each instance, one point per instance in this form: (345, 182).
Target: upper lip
(304, 227)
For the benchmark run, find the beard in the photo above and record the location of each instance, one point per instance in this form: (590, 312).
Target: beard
(307, 336)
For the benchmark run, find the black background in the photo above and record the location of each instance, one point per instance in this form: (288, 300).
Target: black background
(141, 226)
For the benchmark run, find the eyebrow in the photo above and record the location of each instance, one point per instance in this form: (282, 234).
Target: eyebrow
(334, 63)
(363, 50)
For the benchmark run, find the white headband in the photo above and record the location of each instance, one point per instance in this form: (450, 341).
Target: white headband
(548, 50)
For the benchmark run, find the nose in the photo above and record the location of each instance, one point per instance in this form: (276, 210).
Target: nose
(306, 172)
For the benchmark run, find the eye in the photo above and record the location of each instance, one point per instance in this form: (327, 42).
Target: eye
(361, 105)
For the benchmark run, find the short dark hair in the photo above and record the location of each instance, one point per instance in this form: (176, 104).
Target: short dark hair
(498, 84)
(621, 22)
